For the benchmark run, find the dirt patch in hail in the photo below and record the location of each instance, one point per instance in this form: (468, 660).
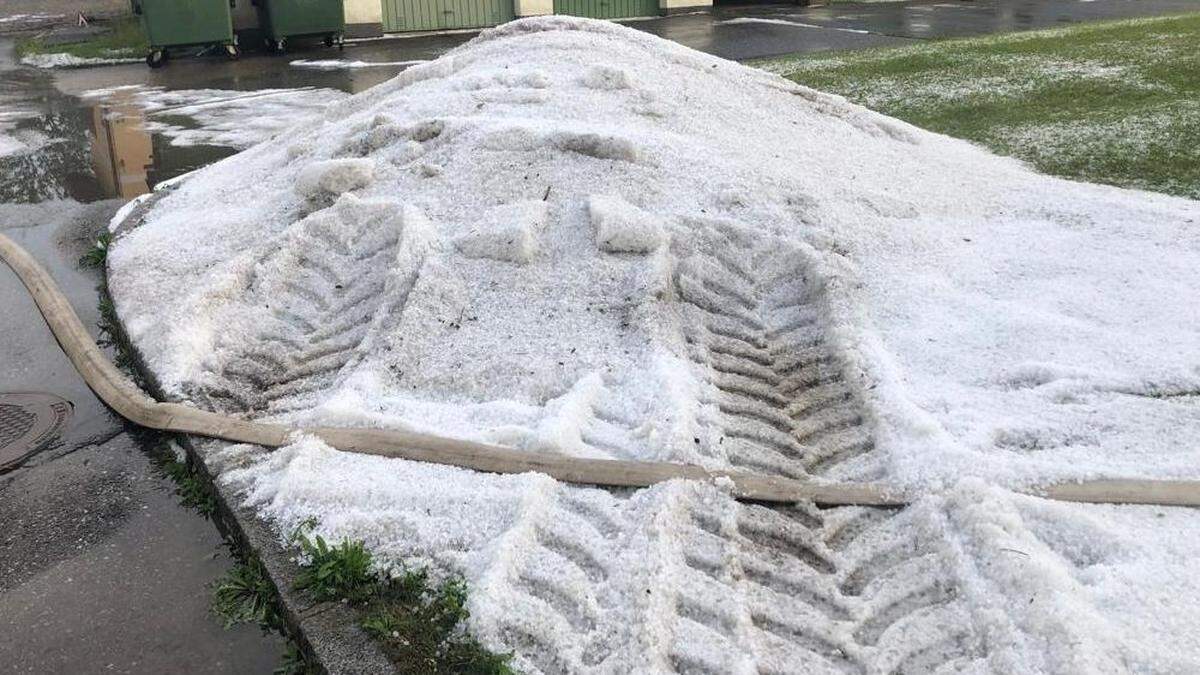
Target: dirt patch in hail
(568, 236)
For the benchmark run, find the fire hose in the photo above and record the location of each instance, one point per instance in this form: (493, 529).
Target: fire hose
(130, 402)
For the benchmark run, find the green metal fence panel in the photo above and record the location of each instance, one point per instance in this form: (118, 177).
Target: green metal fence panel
(410, 15)
(607, 9)
(173, 23)
(286, 18)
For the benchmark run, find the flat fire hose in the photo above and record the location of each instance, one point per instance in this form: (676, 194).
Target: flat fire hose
(130, 402)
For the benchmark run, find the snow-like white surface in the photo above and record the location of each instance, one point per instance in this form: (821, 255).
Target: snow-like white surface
(236, 119)
(22, 22)
(340, 64)
(25, 18)
(1028, 586)
(64, 60)
(568, 236)
(787, 22)
(19, 141)
(623, 227)
(15, 140)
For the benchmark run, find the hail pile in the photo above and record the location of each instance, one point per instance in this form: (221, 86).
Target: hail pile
(571, 237)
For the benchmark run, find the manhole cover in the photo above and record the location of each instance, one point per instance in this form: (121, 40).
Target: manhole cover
(29, 423)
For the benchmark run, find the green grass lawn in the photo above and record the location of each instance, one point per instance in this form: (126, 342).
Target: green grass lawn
(1115, 103)
(125, 40)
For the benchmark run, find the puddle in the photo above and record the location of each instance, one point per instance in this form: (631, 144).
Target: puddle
(122, 149)
(219, 118)
(92, 134)
(42, 134)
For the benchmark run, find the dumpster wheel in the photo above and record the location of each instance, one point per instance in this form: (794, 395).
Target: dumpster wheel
(233, 52)
(156, 58)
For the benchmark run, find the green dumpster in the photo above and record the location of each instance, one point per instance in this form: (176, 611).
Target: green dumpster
(284, 19)
(185, 23)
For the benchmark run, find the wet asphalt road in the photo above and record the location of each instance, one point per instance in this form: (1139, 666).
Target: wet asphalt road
(738, 31)
(100, 568)
(862, 25)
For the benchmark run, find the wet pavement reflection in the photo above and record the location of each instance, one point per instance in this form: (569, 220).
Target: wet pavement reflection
(961, 18)
(738, 30)
(122, 151)
(61, 143)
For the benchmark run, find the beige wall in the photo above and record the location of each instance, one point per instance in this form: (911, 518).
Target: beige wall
(364, 11)
(533, 7)
(676, 5)
(371, 11)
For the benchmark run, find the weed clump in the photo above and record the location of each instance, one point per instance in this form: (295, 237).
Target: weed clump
(98, 254)
(193, 492)
(112, 335)
(246, 595)
(421, 627)
(333, 572)
(293, 662)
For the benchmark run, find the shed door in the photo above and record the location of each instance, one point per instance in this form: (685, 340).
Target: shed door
(408, 15)
(607, 9)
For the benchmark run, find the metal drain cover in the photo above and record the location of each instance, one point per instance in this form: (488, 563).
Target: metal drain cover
(29, 423)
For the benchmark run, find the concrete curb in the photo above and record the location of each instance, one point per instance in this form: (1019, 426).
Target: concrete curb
(328, 632)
